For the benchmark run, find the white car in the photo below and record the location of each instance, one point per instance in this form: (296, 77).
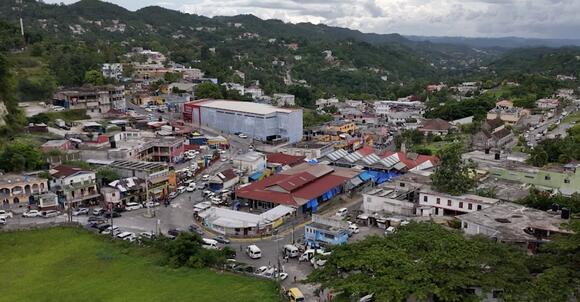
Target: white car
(6, 214)
(32, 213)
(2, 220)
(191, 187)
(205, 177)
(133, 206)
(81, 211)
(151, 204)
(128, 236)
(243, 135)
(110, 230)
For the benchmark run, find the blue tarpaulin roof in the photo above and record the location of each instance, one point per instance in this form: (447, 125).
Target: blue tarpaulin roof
(256, 175)
(365, 176)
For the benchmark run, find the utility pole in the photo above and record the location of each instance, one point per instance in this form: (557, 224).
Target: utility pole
(19, 7)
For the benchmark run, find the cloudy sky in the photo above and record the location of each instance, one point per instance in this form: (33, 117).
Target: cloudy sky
(473, 18)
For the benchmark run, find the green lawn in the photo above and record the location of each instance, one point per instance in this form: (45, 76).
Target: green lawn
(574, 117)
(68, 264)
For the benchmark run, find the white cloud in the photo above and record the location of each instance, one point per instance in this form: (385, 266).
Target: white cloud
(495, 18)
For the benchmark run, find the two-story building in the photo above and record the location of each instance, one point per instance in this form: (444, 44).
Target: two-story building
(565, 179)
(74, 186)
(161, 179)
(18, 189)
(506, 111)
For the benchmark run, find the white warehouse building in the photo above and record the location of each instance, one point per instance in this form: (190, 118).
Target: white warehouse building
(259, 121)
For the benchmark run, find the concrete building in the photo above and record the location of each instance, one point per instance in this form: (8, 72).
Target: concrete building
(131, 189)
(250, 162)
(95, 99)
(326, 230)
(74, 186)
(47, 201)
(397, 198)
(309, 149)
(284, 99)
(160, 178)
(18, 189)
(112, 70)
(513, 223)
(433, 203)
(547, 104)
(111, 195)
(565, 179)
(383, 108)
(259, 121)
(506, 111)
(242, 224)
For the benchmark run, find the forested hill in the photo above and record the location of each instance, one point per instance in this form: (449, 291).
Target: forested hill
(245, 42)
(547, 61)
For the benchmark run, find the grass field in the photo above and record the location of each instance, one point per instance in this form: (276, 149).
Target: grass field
(68, 264)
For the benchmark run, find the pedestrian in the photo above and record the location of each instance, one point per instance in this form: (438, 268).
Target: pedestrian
(240, 247)
(294, 279)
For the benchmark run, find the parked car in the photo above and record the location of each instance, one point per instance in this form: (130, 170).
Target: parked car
(80, 211)
(50, 213)
(152, 204)
(146, 235)
(181, 189)
(110, 229)
(221, 239)
(2, 221)
(112, 214)
(172, 195)
(342, 212)
(243, 135)
(98, 211)
(191, 187)
(6, 214)
(32, 213)
(175, 232)
(127, 236)
(97, 220)
(103, 226)
(205, 177)
(194, 229)
(130, 206)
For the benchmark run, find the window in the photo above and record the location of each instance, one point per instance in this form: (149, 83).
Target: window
(566, 181)
(478, 207)
(449, 202)
(547, 177)
(461, 204)
(402, 184)
(425, 198)
(469, 206)
(438, 201)
(465, 225)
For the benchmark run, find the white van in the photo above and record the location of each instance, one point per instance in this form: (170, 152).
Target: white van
(353, 229)
(209, 244)
(254, 251)
(342, 212)
(291, 251)
(133, 206)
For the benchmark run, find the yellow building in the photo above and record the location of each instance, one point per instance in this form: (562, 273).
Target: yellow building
(342, 127)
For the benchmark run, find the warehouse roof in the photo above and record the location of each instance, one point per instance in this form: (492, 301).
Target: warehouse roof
(247, 107)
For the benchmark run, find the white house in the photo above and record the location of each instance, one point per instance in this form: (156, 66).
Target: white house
(433, 203)
(254, 91)
(251, 161)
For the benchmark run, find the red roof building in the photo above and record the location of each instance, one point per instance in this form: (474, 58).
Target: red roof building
(304, 186)
(284, 159)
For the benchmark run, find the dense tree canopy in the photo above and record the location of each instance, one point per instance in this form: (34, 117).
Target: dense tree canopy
(453, 175)
(208, 91)
(424, 261)
(21, 155)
